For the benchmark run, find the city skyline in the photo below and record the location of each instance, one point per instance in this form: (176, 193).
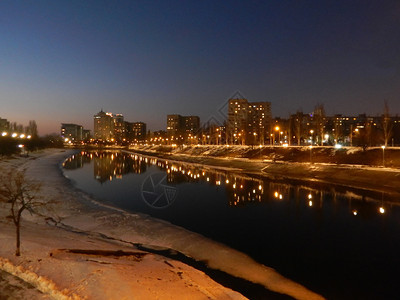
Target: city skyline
(61, 62)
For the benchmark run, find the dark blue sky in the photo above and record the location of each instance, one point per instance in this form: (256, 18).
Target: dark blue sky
(62, 61)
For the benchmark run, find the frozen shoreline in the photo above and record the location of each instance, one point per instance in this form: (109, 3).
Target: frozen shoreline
(377, 179)
(78, 222)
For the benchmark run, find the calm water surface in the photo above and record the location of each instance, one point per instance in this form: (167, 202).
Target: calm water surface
(340, 242)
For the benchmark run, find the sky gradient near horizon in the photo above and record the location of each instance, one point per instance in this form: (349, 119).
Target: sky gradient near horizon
(63, 61)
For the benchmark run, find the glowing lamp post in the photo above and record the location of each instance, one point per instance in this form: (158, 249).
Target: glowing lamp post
(279, 137)
(326, 136)
(311, 133)
(22, 148)
(383, 155)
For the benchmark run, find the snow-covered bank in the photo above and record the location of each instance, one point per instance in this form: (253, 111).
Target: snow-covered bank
(63, 275)
(78, 222)
(278, 162)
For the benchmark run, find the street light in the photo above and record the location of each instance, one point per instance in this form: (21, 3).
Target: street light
(254, 140)
(277, 129)
(383, 155)
(326, 136)
(311, 132)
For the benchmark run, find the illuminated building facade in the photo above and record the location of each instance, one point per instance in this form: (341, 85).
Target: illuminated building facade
(119, 127)
(248, 122)
(180, 128)
(113, 128)
(174, 125)
(191, 125)
(260, 117)
(135, 131)
(71, 132)
(104, 126)
(139, 130)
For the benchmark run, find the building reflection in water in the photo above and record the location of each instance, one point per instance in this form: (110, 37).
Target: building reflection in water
(240, 189)
(107, 165)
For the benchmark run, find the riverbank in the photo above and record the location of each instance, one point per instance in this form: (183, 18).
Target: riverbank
(110, 267)
(82, 249)
(271, 164)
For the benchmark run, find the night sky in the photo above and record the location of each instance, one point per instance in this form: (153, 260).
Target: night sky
(63, 61)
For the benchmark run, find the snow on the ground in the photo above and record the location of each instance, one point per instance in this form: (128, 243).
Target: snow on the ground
(84, 224)
(17, 288)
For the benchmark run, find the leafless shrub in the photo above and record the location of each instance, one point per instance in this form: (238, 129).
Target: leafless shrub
(21, 193)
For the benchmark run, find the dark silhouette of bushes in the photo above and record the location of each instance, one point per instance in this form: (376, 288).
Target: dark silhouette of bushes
(8, 146)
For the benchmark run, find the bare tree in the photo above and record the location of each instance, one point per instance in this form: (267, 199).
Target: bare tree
(21, 194)
(386, 124)
(13, 126)
(368, 132)
(338, 130)
(31, 129)
(319, 122)
(20, 128)
(298, 122)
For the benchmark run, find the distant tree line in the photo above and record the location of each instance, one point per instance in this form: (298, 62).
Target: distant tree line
(30, 130)
(10, 145)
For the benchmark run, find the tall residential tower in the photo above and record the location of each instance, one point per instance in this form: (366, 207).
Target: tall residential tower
(248, 122)
(103, 126)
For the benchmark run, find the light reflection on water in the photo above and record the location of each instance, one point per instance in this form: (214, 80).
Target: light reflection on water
(308, 232)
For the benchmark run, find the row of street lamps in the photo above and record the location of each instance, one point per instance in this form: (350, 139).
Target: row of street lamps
(16, 135)
(277, 130)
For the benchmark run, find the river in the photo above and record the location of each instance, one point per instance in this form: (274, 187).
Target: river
(340, 242)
